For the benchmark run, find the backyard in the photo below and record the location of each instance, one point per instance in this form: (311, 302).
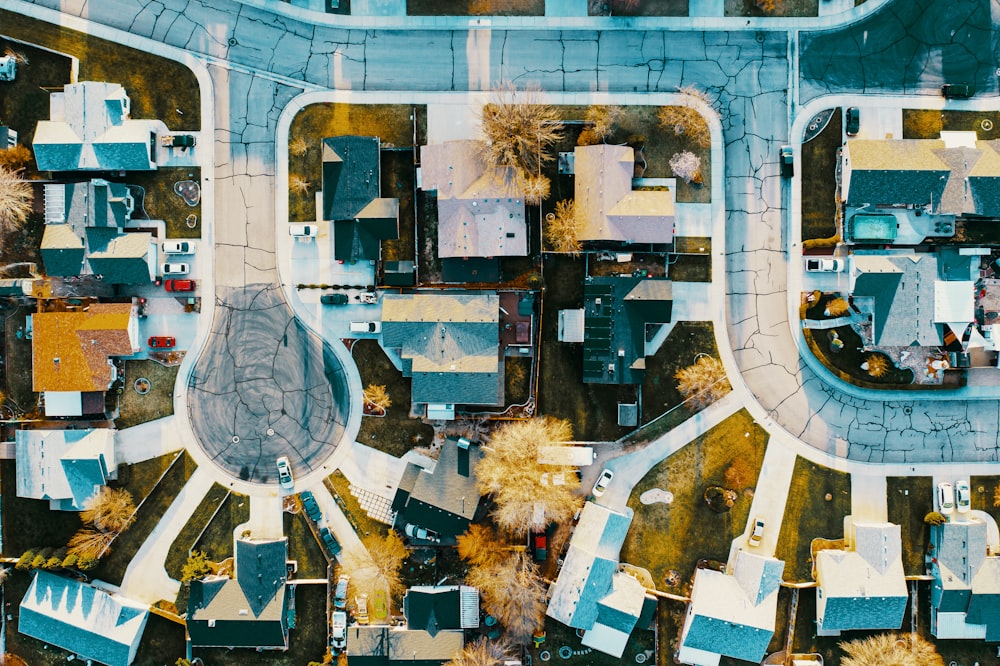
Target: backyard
(158, 201)
(728, 455)
(26, 99)
(818, 500)
(17, 366)
(395, 433)
(558, 635)
(30, 523)
(159, 402)
(910, 498)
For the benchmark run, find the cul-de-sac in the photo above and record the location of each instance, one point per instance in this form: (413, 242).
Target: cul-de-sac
(500, 332)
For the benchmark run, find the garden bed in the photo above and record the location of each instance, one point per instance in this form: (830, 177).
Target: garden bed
(686, 474)
(637, 7)
(517, 380)
(799, 8)
(363, 524)
(846, 361)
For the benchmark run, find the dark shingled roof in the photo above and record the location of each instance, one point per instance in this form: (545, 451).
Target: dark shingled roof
(446, 500)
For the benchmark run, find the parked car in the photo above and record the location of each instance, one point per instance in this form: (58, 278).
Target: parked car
(757, 534)
(962, 496)
(175, 269)
(853, 121)
(946, 498)
(417, 532)
(179, 285)
(285, 479)
(303, 230)
(361, 610)
(333, 299)
(369, 298)
(540, 545)
(340, 595)
(161, 341)
(338, 636)
(330, 541)
(310, 507)
(957, 90)
(366, 327)
(178, 247)
(178, 141)
(787, 162)
(8, 68)
(824, 265)
(602, 483)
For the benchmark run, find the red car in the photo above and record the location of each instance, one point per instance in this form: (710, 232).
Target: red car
(162, 342)
(178, 285)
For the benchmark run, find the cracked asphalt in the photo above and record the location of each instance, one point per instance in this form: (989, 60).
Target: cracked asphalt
(258, 61)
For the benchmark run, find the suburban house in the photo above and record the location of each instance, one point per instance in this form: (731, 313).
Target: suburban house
(862, 586)
(965, 594)
(94, 625)
(250, 610)
(380, 645)
(616, 314)
(352, 200)
(448, 342)
(90, 129)
(443, 499)
(731, 612)
(66, 467)
(85, 234)
(434, 608)
(590, 592)
(480, 210)
(71, 354)
(607, 206)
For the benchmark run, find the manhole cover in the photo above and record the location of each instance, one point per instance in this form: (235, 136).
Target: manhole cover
(270, 432)
(236, 439)
(232, 41)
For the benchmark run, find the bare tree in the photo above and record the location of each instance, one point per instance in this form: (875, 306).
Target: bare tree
(535, 188)
(377, 397)
(375, 567)
(890, 650)
(298, 185)
(16, 55)
(704, 382)
(298, 146)
(483, 652)
(520, 130)
(685, 121)
(109, 510)
(526, 492)
(16, 197)
(512, 592)
(601, 121)
(687, 166)
(479, 545)
(562, 232)
(90, 544)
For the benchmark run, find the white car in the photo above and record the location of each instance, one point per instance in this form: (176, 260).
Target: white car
(757, 535)
(178, 247)
(824, 265)
(175, 269)
(285, 473)
(303, 230)
(602, 482)
(366, 327)
(946, 498)
(339, 634)
(962, 496)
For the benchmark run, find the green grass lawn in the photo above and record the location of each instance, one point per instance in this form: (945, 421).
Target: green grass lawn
(157, 87)
(698, 532)
(808, 515)
(362, 523)
(818, 170)
(393, 123)
(217, 539)
(395, 433)
(475, 7)
(160, 202)
(192, 530)
(910, 498)
(591, 408)
(159, 402)
(307, 642)
(155, 502)
(303, 547)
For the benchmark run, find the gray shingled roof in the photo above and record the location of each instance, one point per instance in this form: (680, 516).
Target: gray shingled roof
(445, 500)
(903, 291)
(895, 171)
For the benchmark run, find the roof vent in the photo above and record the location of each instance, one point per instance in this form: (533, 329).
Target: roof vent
(244, 611)
(211, 623)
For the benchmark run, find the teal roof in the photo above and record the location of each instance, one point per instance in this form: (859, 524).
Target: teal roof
(719, 636)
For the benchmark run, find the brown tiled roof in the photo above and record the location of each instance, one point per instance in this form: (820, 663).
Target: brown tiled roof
(70, 349)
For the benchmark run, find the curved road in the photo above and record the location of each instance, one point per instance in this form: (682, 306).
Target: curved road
(255, 55)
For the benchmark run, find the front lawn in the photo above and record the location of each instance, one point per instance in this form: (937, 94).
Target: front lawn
(359, 519)
(159, 88)
(685, 342)
(217, 539)
(985, 492)
(158, 200)
(929, 123)
(696, 532)
(475, 7)
(818, 500)
(192, 530)
(641, 8)
(819, 184)
(395, 433)
(846, 361)
(303, 547)
(910, 498)
(26, 99)
(159, 402)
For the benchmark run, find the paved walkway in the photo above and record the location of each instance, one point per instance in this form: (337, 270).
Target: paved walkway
(148, 440)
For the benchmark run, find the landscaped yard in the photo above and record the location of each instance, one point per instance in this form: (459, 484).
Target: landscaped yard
(819, 185)
(392, 123)
(155, 494)
(395, 433)
(929, 123)
(217, 539)
(160, 202)
(910, 498)
(141, 74)
(192, 530)
(591, 408)
(159, 402)
(846, 361)
(674, 537)
(26, 99)
(358, 517)
(818, 500)
(475, 7)
(303, 547)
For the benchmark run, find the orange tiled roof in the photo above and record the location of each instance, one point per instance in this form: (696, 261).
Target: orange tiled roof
(70, 349)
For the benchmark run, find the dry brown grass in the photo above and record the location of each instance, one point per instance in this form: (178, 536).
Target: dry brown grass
(110, 510)
(685, 122)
